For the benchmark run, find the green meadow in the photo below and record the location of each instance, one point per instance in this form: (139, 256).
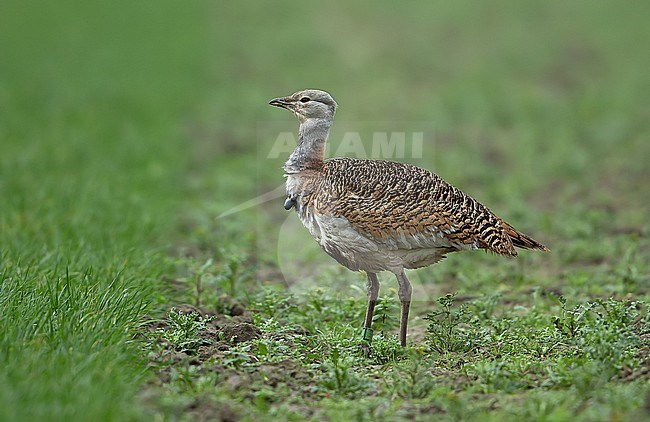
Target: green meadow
(134, 285)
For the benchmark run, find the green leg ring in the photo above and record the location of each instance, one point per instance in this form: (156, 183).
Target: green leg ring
(366, 334)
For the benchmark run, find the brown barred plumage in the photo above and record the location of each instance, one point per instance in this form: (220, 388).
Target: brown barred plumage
(375, 215)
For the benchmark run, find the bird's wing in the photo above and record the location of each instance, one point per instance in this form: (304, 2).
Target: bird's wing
(405, 207)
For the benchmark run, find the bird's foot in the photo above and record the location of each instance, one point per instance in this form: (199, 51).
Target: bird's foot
(365, 349)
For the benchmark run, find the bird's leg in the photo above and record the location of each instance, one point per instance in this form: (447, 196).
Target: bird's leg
(373, 292)
(404, 292)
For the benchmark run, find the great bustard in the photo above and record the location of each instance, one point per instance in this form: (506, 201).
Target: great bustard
(375, 215)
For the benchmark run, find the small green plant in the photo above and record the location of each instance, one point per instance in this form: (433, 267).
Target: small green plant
(609, 337)
(215, 279)
(571, 320)
(386, 311)
(601, 330)
(184, 330)
(199, 275)
(282, 342)
(447, 330)
(322, 307)
(340, 377)
(233, 271)
(239, 357)
(386, 349)
(412, 378)
(272, 302)
(484, 307)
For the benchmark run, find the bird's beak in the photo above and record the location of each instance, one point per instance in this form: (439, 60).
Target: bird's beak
(280, 102)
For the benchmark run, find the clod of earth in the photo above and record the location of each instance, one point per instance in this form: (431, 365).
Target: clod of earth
(237, 333)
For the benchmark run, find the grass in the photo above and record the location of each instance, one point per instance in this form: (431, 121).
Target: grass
(127, 129)
(89, 176)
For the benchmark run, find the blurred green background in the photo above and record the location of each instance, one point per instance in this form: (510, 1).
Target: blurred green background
(126, 128)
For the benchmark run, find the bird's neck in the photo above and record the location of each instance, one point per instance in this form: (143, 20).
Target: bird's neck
(310, 152)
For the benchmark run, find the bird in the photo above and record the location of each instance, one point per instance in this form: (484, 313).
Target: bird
(379, 215)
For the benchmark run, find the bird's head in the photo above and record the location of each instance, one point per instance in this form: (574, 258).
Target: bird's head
(308, 104)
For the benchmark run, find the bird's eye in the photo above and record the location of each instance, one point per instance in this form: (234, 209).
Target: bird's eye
(304, 99)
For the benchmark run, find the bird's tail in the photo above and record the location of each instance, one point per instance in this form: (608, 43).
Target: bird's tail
(523, 241)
